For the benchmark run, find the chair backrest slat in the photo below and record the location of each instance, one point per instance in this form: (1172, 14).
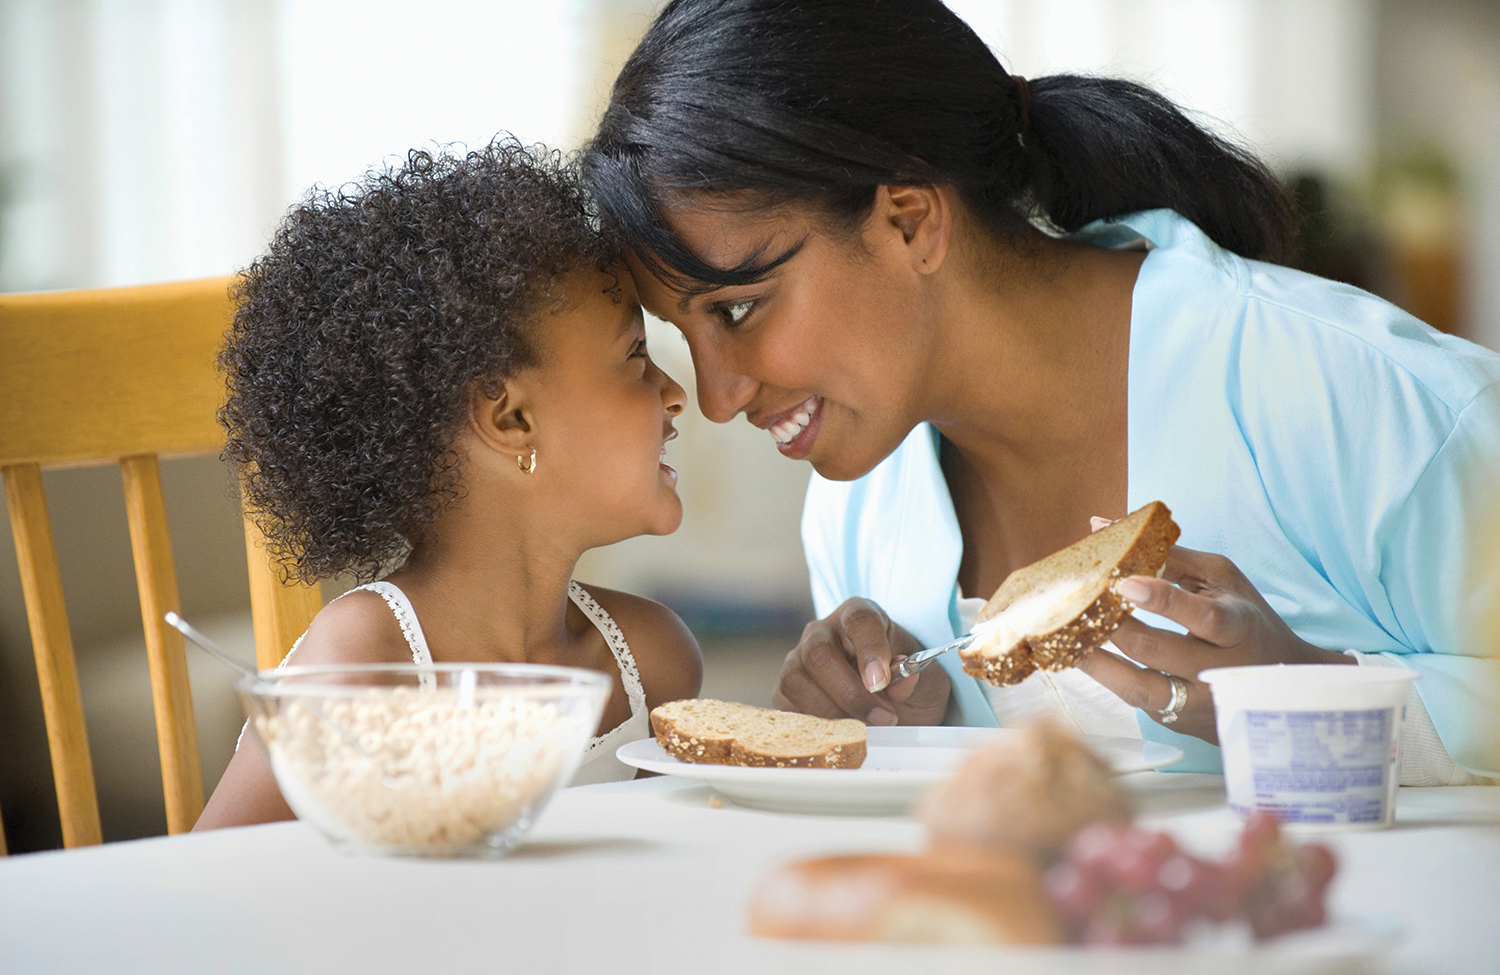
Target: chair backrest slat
(171, 694)
(127, 375)
(92, 376)
(281, 612)
(52, 642)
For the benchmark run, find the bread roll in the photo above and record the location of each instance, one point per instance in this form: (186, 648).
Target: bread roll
(724, 733)
(1050, 613)
(1028, 793)
(942, 897)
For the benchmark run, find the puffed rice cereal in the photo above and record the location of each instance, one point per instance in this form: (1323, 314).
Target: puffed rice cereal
(441, 768)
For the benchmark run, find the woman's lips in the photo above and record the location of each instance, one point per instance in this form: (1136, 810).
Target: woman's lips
(795, 432)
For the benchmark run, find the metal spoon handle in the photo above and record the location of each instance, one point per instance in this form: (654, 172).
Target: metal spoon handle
(191, 632)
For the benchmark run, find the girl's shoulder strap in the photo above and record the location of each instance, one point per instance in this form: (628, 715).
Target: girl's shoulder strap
(405, 615)
(629, 675)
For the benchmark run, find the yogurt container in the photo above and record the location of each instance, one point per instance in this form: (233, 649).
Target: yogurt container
(1318, 745)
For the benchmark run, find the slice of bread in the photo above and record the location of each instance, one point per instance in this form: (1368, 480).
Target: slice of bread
(724, 733)
(1051, 613)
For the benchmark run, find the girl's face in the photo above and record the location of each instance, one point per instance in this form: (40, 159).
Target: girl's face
(827, 354)
(604, 412)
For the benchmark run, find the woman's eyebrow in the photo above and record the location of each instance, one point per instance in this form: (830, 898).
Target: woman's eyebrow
(751, 266)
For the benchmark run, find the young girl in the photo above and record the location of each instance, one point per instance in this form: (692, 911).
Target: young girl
(444, 370)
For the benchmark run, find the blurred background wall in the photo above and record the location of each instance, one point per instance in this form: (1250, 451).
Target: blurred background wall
(151, 140)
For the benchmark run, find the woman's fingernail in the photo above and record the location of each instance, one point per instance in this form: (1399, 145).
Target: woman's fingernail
(1136, 592)
(1097, 523)
(881, 717)
(876, 676)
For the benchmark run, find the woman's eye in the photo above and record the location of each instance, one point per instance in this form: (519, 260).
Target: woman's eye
(734, 312)
(638, 350)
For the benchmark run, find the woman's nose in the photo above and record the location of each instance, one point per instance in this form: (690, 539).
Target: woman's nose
(722, 392)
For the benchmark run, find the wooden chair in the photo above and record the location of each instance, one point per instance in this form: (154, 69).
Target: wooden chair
(121, 375)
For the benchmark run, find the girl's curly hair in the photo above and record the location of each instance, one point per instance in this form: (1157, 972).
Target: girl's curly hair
(362, 329)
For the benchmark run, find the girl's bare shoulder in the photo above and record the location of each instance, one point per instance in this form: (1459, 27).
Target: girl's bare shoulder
(357, 627)
(666, 652)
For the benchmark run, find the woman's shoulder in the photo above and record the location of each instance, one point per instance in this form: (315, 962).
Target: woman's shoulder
(357, 627)
(666, 652)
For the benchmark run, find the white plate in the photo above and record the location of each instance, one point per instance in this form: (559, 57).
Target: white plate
(1341, 948)
(899, 764)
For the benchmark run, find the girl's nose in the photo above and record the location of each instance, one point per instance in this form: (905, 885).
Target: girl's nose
(673, 396)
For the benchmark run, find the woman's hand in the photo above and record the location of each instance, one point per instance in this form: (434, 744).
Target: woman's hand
(1228, 624)
(841, 668)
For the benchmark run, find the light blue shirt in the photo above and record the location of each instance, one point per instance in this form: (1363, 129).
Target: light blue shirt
(1345, 456)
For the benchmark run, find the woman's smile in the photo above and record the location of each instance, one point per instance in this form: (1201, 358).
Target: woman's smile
(794, 430)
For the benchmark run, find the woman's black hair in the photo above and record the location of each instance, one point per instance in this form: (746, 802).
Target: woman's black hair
(823, 101)
(361, 331)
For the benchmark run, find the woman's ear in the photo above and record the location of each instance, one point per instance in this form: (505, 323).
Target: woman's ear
(924, 217)
(501, 418)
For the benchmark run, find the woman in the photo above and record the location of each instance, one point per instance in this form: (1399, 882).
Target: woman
(838, 203)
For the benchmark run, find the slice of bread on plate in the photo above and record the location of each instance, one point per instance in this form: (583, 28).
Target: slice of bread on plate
(711, 732)
(1051, 613)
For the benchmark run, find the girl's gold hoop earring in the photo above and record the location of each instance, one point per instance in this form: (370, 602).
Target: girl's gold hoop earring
(527, 464)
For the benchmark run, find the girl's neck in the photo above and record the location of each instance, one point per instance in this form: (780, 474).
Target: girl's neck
(486, 590)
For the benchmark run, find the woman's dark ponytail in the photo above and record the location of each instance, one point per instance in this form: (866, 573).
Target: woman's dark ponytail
(823, 101)
(1106, 147)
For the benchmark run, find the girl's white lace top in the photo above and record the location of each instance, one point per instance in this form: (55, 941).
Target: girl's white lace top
(599, 763)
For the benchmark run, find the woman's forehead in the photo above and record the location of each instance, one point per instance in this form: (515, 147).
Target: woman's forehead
(725, 234)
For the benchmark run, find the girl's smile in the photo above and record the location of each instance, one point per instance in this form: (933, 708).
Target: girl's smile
(604, 412)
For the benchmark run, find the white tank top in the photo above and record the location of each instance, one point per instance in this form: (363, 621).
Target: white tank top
(599, 763)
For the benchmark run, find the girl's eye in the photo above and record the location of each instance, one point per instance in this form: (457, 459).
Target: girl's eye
(638, 351)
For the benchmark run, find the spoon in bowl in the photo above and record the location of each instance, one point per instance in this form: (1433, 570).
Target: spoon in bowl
(204, 643)
(195, 636)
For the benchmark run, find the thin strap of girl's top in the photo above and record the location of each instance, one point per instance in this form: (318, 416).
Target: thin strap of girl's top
(606, 625)
(405, 616)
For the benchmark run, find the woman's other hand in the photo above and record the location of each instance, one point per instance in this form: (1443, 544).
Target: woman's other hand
(1228, 623)
(841, 668)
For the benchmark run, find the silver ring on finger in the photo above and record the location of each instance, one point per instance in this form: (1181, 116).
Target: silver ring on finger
(1169, 713)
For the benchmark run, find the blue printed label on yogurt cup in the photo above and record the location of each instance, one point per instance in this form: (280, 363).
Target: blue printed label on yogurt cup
(1319, 766)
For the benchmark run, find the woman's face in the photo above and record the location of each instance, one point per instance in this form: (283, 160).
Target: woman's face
(826, 354)
(604, 412)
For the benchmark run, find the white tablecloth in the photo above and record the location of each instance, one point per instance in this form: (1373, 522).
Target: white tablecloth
(649, 876)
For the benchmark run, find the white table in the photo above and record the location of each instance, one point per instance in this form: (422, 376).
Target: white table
(649, 876)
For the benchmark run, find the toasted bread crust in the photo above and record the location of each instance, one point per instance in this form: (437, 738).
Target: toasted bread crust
(667, 725)
(1063, 646)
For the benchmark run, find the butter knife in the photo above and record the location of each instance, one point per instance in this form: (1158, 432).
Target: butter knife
(920, 660)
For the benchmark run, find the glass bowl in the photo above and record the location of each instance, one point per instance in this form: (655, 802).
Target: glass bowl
(442, 760)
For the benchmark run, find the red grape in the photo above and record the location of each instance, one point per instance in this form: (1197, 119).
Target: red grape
(1119, 884)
